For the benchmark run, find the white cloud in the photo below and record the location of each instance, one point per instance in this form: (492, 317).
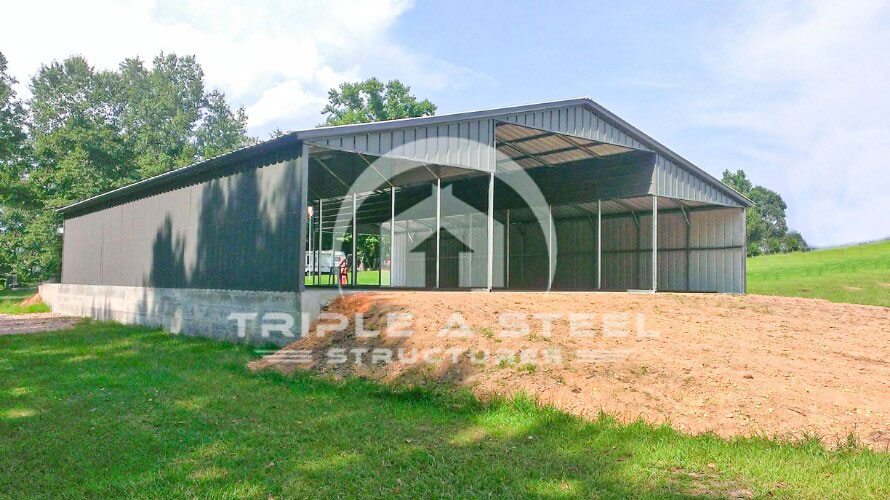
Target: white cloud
(809, 84)
(276, 57)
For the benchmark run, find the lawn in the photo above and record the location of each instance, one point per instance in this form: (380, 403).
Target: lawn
(10, 302)
(363, 278)
(857, 274)
(108, 410)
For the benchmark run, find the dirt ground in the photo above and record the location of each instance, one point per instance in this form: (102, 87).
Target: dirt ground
(34, 322)
(735, 365)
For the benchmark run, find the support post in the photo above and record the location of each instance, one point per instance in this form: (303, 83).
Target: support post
(654, 243)
(304, 195)
(490, 272)
(507, 252)
(438, 227)
(392, 233)
(599, 244)
(549, 246)
(311, 250)
(354, 237)
(317, 256)
(688, 244)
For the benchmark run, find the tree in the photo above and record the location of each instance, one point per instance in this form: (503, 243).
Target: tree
(91, 131)
(13, 162)
(767, 230)
(371, 101)
(167, 117)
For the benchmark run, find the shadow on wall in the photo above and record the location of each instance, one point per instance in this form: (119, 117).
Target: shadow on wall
(234, 234)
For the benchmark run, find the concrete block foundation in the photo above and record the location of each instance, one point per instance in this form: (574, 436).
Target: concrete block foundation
(197, 312)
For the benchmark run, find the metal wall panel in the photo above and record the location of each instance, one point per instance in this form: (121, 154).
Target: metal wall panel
(717, 262)
(673, 181)
(713, 260)
(574, 120)
(466, 144)
(237, 230)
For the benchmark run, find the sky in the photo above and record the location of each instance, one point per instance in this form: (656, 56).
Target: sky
(795, 93)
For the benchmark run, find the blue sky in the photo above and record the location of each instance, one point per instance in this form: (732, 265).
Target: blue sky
(794, 93)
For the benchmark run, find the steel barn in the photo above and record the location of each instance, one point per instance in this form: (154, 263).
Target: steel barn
(556, 196)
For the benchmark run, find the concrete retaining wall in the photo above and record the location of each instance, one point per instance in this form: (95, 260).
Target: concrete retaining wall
(188, 311)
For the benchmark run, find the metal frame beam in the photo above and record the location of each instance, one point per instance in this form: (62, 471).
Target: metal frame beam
(569, 139)
(526, 153)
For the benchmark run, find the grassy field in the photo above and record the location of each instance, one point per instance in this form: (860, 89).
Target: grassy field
(857, 274)
(363, 278)
(104, 410)
(10, 299)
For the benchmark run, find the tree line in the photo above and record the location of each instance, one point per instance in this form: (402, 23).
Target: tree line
(85, 131)
(767, 229)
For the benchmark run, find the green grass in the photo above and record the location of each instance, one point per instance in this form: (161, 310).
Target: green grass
(107, 410)
(857, 274)
(363, 278)
(9, 302)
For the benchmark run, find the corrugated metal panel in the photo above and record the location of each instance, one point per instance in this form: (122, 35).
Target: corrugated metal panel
(466, 144)
(718, 259)
(672, 180)
(239, 230)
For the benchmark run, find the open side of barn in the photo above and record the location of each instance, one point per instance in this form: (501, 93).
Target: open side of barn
(554, 196)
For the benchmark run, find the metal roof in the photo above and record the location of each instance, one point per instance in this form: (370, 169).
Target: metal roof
(297, 137)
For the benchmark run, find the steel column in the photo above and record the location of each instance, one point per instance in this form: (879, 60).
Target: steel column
(320, 240)
(549, 246)
(438, 226)
(354, 237)
(392, 233)
(301, 206)
(654, 243)
(490, 231)
(507, 252)
(599, 244)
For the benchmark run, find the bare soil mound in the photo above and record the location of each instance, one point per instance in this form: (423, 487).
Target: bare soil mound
(32, 300)
(733, 365)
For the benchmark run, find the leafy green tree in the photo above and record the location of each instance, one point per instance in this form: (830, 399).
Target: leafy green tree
(12, 132)
(767, 229)
(91, 131)
(372, 101)
(168, 119)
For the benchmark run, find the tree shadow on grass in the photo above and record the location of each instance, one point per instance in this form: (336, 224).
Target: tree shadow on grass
(183, 417)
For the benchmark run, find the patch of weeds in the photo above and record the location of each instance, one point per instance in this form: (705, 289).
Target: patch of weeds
(485, 332)
(527, 368)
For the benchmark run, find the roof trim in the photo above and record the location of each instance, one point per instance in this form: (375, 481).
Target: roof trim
(294, 138)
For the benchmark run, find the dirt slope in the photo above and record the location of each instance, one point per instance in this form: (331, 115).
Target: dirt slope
(735, 365)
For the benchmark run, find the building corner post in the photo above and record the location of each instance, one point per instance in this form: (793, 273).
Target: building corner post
(302, 205)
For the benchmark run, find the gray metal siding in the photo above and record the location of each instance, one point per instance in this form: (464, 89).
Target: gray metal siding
(466, 144)
(237, 231)
(717, 262)
(575, 120)
(674, 181)
(715, 255)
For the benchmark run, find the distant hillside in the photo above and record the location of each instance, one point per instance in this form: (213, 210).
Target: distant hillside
(857, 274)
